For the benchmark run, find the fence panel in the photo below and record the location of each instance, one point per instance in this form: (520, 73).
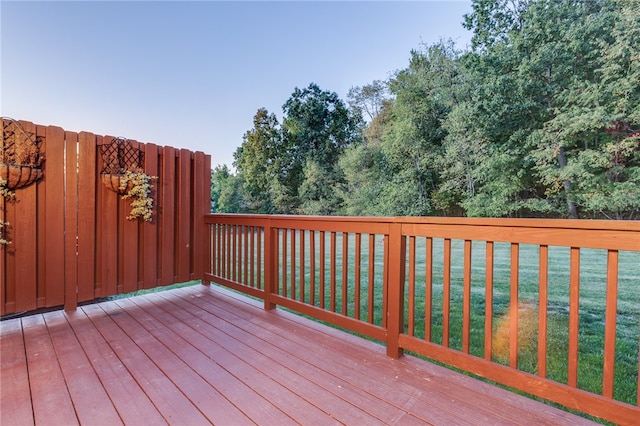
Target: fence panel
(70, 239)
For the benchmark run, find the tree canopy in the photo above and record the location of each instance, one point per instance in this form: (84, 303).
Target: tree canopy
(539, 117)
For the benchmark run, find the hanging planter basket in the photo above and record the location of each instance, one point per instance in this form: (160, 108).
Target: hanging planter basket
(118, 156)
(18, 176)
(20, 158)
(113, 182)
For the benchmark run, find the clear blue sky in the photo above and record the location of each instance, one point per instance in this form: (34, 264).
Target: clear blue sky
(193, 74)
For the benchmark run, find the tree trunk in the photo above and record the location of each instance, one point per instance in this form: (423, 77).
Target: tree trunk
(562, 160)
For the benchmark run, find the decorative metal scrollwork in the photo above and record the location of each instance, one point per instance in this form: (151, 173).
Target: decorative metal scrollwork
(20, 157)
(118, 156)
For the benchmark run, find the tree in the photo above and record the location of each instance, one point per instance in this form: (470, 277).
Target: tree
(316, 129)
(414, 137)
(257, 161)
(369, 99)
(534, 61)
(226, 191)
(318, 192)
(597, 127)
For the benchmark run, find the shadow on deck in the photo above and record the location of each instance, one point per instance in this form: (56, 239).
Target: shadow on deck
(202, 355)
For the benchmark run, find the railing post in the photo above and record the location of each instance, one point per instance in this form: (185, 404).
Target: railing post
(270, 259)
(395, 305)
(206, 251)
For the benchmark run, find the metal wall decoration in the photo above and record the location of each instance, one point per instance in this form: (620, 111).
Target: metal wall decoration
(20, 157)
(118, 156)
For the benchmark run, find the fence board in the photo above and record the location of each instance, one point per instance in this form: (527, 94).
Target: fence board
(71, 222)
(54, 253)
(99, 191)
(183, 226)
(109, 252)
(167, 215)
(3, 262)
(87, 215)
(129, 238)
(150, 229)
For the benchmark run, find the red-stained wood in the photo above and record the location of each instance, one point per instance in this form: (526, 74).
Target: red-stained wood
(322, 268)
(201, 199)
(396, 277)
(130, 400)
(184, 342)
(292, 264)
(446, 293)
(610, 324)
(41, 224)
(87, 212)
(283, 272)
(23, 249)
(71, 220)
(345, 273)
(270, 266)
(574, 317)
(302, 266)
(428, 288)
(391, 381)
(505, 374)
(514, 305)
(54, 253)
(167, 397)
(233, 259)
(226, 242)
(412, 287)
(110, 210)
(246, 251)
(578, 233)
(332, 272)
(183, 228)
(312, 268)
(51, 400)
(72, 243)
(358, 285)
(488, 305)
(385, 280)
(206, 355)
(90, 400)
(8, 256)
(167, 216)
(149, 242)
(130, 249)
(3, 261)
(14, 392)
(466, 298)
(252, 257)
(543, 298)
(195, 397)
(371, 278)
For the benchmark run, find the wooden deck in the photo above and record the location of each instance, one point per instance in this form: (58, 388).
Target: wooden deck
(203, 355)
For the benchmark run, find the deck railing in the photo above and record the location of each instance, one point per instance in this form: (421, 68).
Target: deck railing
(459, 291)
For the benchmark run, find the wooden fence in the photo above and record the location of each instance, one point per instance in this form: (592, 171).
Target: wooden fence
(70, 239)
(458, 291)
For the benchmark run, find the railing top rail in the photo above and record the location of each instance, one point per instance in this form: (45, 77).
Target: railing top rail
(586, 224)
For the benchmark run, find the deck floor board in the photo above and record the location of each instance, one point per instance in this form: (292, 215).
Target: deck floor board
(205, 355)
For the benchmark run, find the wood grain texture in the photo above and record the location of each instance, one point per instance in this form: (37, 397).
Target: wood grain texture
(202, 355)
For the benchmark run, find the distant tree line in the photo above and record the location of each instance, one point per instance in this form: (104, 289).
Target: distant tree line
(539, 118)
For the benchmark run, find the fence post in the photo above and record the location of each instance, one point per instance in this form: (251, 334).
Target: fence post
(395, 293)
(270, 256)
